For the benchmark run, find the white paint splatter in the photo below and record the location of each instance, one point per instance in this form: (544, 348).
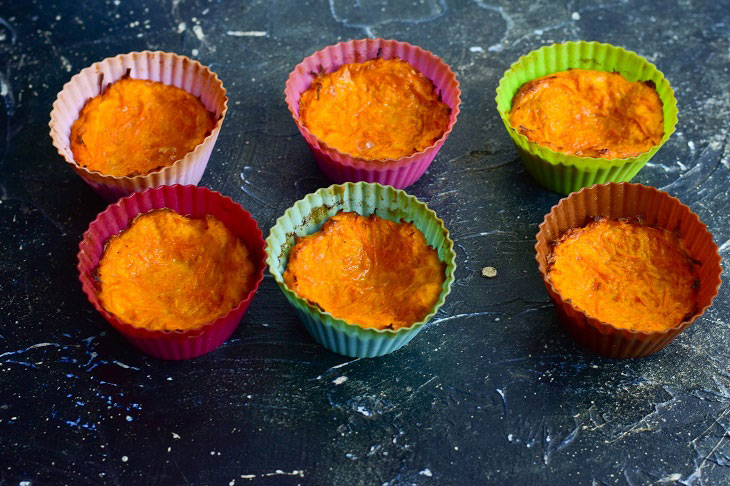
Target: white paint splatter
(66, 64)
(175, 436)
(364, 411)
(476, 49)
(247, 33)
(496, 48)
(198, 31)
(575, 16)
(339, 380)
(691, 145)
(278, 472)
(671, 478)
(125, 458)
(181, 27)
(426, 472)
(125, 366)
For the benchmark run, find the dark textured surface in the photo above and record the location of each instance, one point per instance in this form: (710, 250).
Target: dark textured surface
(491, 391)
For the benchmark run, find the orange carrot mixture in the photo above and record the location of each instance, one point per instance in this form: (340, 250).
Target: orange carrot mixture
(138, 126)
(376, 110)
(630, 275)
(589, 114)
(368, 271)
(171, 272)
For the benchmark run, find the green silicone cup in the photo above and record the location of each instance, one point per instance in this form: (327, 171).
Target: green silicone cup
(309, 214)
(565, 173)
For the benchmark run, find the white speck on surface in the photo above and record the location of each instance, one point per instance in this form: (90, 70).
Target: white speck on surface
(476, 49)
(691, 145)
(233, 481)
(212, 453)
(456, 448)
(66, 64)
(339, 380)
(510, 437)
(247, 33)
(538, 31)
(575, 16)
(125, 458)
(198, 31)
(169, 378)
(194, 52)
(495, 48)
(426, 472)
(129, 419)
(175, 436)
(364, 411)
(181, 27)
(24, 483)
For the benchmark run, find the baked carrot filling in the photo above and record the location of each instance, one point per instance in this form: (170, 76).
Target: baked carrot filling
(138, 126)
(368, 271)
(378, 109)
(171, 272)
(589, 114)
(627, 274)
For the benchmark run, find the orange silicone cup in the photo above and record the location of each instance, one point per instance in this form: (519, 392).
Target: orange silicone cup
(655, 208)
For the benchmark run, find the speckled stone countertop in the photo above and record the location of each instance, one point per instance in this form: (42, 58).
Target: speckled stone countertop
(492, 391)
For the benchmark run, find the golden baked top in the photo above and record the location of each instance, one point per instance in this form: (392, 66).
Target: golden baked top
(368, 271)
(171, 272)
(378, 109)
(138, 126)
(589, 114)
(630, 275)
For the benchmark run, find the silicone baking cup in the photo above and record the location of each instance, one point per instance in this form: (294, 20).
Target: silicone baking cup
(564, 173)
(168, 68)
(341, 167)
(309, 214)
(189, 201)
(653, 207)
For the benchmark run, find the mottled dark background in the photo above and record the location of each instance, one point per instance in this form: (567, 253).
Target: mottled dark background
(492, 391)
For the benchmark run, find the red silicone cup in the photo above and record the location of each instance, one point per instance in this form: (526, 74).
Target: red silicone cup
(339, 167)
(189, 201)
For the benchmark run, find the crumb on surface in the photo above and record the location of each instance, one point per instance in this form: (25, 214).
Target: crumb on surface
(489, 272)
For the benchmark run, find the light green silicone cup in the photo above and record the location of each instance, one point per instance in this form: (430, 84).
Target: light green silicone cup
(307, 216)
(564, 173)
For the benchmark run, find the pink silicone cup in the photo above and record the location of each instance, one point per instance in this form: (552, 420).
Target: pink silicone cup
(186, 200)
(171, 69)
(339, 167)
